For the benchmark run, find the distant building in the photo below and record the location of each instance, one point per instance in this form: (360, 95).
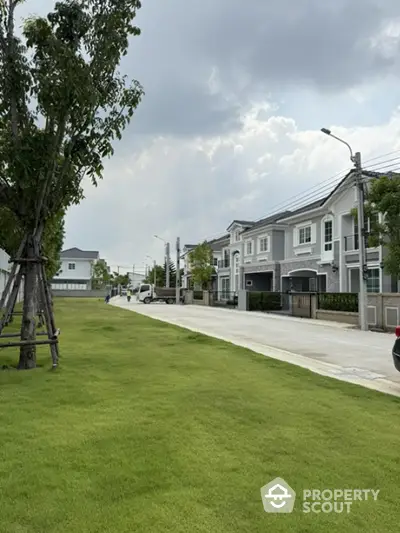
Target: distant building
(76, 270)
(136, 278)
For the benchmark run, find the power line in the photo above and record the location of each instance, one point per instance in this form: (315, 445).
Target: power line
(322, 189)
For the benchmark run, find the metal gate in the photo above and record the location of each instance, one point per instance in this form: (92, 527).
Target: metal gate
(301, 304)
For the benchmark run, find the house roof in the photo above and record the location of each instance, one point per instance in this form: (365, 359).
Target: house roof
(77, 253)
(240, 223)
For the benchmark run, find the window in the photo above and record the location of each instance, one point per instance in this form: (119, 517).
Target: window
(249, 248)
(215, 261)
(144, 288)
(225, 288)
(263, 244)
(373, 281)
(328, 235)
(71, 266)
(237, 236)
(305, 235)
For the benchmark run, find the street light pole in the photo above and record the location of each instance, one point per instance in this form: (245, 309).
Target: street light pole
(167, 268)
(363, 271)
(178, 272)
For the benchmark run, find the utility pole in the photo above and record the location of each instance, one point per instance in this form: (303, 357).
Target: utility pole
(178, 272)
(167, 259)
(363, 271)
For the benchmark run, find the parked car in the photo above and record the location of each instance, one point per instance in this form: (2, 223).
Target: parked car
(396, 350)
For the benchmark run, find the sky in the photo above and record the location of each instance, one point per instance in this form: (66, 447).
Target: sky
(229, 127)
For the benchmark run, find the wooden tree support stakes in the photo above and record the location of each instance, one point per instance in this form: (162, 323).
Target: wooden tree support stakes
(45, 314)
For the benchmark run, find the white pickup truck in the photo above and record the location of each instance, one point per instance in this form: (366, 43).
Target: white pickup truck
(149, 293)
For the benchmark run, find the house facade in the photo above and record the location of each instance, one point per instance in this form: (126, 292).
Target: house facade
(76, 270)
(313, 248)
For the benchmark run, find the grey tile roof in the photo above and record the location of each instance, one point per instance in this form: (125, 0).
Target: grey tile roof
(76, 253)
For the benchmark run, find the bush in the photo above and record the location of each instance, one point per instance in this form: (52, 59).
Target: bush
(265, 301)
(338, 301)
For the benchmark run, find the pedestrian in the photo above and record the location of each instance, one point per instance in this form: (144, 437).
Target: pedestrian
(107, 298)
(129, 295)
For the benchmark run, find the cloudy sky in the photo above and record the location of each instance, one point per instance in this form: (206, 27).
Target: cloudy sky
(229, 126)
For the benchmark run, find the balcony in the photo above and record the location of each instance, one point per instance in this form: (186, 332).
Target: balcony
(351, 243)
(223, 263)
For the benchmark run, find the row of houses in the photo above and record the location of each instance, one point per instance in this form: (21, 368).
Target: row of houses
(313, 248)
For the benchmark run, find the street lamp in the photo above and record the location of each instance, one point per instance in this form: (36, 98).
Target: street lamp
(356, 159)
(167, 260)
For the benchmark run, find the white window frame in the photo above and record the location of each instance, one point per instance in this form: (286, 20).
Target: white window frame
(71, 266)
(261, 238)
(237, 236)
(246, 245)
(324, 242)
(304, 228)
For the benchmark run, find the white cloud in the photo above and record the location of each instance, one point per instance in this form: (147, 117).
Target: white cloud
(194, 188)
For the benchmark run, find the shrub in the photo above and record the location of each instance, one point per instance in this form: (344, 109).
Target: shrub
(338, 301)
(265, 301)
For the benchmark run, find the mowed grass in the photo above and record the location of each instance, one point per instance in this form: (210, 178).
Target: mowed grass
(146, 427)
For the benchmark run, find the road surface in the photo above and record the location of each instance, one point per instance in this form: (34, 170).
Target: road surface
(327, 348)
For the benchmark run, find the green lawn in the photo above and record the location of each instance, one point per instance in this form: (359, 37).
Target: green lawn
(147, 427)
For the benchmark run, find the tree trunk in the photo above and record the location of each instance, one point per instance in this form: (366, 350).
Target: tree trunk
(27, 354)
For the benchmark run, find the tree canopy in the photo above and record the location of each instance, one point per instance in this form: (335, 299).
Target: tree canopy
(384, 199)
(201, 265)
(101, 276)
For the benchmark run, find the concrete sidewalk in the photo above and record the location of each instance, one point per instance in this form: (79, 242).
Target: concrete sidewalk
(330, 349)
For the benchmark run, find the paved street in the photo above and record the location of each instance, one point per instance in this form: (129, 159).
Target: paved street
(327, 348)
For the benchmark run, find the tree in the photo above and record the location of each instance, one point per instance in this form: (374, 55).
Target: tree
(384, 199)
(201, 265)
(160, 276)
(120, 280)
(62, 104)
(101, 276)
(172, 273)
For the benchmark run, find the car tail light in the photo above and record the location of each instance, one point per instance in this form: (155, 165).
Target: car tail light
(398, 331)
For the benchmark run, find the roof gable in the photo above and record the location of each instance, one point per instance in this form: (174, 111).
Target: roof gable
(77, 253)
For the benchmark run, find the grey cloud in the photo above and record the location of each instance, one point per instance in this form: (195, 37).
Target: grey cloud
(273, 45)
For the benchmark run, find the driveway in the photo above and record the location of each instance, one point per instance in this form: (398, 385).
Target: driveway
(327, 348)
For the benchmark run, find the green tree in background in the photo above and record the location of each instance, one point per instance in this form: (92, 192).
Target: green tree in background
(384, 198)
(201, 265)
(101, 276)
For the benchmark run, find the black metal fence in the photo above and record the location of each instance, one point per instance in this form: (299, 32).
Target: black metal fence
(338, 301)
(223, 299)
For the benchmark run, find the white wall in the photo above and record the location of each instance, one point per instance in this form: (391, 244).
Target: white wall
(82, 270)
(5, 268)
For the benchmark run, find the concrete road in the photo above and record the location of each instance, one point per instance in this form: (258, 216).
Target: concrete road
(327, 348)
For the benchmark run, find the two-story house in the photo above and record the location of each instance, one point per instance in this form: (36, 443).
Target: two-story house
(313, 248)
(76, 270)
(321, 245)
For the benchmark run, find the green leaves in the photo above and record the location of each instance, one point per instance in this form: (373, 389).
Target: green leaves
(201, 265)
(67, 69)
(384, 199)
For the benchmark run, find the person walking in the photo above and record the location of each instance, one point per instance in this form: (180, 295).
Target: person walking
(129, 295)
